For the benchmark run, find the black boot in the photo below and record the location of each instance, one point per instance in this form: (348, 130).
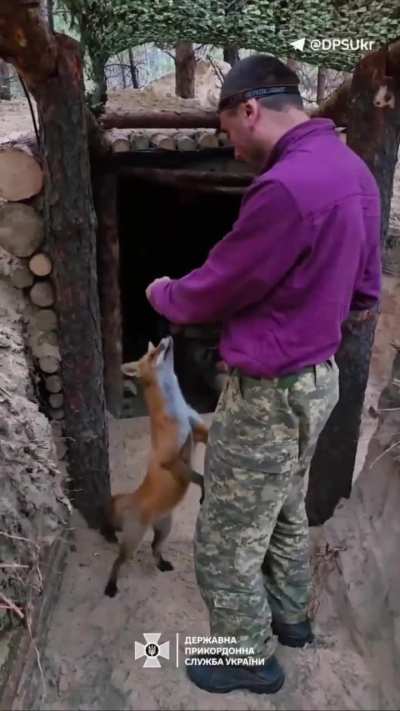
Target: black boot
(221, 677)
(296, 634)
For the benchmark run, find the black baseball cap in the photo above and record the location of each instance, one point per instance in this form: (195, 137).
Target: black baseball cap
(256, 77)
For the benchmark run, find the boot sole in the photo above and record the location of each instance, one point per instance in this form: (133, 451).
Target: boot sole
(242, 687)
(295, 643)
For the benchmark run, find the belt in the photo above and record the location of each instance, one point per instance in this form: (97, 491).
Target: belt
(283, 381)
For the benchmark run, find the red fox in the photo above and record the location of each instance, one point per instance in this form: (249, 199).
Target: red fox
(174, 426)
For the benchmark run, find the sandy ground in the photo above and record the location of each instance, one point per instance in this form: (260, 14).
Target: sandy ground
(90, 654)
(90, 664)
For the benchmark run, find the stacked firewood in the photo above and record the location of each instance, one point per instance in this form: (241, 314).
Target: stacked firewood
(22, 234)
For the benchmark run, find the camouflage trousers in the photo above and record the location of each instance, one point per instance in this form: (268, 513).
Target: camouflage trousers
(251, 538)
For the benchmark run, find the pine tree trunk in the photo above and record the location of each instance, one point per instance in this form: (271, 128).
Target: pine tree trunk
(373, 133)
(5, 88)
(134, 72)
(231, 55)
(71, 246)
(50, 15)
(98, 97)
(321, 84)
(122, 66)
(185, 68)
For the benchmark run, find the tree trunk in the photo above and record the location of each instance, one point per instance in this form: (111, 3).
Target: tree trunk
(185, 68)
(134, 72)
(374, 130)
(373, 133)
(321, 84)
(332, 466)
(336, 106)
(98, 97)
(50, 15)
(122, 65)
(231, 55)
(105, 194)
(71, 246)
(5, 87)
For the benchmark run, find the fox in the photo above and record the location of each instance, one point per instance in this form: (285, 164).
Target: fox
(174, 427)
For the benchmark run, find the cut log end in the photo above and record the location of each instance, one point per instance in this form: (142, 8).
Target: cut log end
(48, 365)
(53, 384)
(121, 145)
(22, 278)
(163, 142)
(21, 229)
(45, 320)
(42, 294)
(56, 400)
(185, 143)
(207, 140)
(139, 142)
(21, 176)
(40, 265)
(57, 414)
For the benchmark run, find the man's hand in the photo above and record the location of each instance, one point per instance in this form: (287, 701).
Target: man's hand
(161, 280)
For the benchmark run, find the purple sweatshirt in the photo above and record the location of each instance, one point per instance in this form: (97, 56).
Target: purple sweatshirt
(304, 251)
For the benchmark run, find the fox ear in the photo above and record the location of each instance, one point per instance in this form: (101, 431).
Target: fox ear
(157, 353)
(150, 347)
(131, 370)
(159, 358)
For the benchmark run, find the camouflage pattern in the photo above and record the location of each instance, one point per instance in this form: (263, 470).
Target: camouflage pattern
(251, 539)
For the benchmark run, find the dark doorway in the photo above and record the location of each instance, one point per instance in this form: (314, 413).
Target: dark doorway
(166, 231)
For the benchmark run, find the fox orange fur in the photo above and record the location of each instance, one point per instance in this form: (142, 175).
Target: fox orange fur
(174, 426)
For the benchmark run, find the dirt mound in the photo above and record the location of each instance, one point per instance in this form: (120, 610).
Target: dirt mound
(32, 504)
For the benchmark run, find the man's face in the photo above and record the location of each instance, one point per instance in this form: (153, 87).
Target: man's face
(241, 124)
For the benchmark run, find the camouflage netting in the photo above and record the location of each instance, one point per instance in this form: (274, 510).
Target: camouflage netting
(110, 26)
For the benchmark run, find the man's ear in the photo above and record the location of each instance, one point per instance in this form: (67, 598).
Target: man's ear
(251, 110)
(131, 370)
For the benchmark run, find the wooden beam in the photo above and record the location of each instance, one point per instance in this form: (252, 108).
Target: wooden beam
(160, 119)
(210, 188)
(177, 176)
(105, 196)
(159, 159)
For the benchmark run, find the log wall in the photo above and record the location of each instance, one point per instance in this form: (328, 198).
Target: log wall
(22, 234)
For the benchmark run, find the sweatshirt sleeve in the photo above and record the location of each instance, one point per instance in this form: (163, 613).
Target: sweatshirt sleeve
(263, 245)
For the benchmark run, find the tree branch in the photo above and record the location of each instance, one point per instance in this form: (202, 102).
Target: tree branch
(26, 42)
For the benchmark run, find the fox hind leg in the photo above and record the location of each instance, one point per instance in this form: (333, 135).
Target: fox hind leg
(161, 528)
(133, 532)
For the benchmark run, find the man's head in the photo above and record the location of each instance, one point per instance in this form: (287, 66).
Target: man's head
(259, 102)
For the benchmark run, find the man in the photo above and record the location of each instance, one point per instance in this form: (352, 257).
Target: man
(302, 254)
